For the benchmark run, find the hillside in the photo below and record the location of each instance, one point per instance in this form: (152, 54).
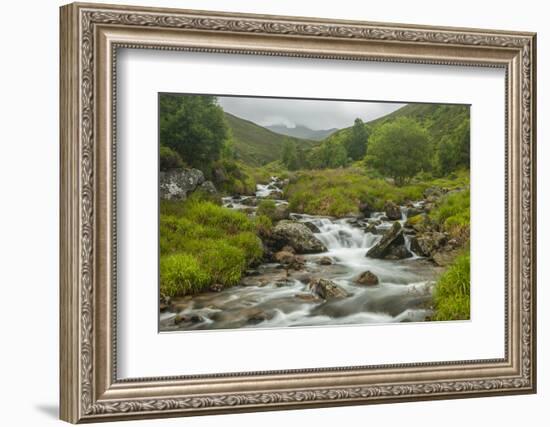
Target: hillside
(438, 119)
(303, 132)
(256, 145)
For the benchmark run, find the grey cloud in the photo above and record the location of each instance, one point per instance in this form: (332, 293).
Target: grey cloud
(315, 114)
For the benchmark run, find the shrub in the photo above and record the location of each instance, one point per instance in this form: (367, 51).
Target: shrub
(233, 177)
(263, 225)
(452, 291)
(267, 208)
(169, 159)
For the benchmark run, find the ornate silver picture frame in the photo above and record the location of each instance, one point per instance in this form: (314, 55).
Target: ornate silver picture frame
(91, 35)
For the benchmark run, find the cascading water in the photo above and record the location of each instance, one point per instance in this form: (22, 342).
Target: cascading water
(271, 299)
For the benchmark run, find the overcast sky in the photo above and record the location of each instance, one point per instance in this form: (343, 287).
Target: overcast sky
(315, 114)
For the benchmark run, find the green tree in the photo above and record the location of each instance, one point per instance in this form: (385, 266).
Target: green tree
(453, 150)
(289, 154)
(399, 149)
(194, 126)
(169, 159)
(330, 154)
(356, 141)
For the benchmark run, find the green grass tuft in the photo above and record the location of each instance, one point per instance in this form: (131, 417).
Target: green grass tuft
(202, 244)
(452, 291)
(453, 214)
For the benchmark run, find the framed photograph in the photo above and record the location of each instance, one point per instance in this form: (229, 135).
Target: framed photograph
(267, 212)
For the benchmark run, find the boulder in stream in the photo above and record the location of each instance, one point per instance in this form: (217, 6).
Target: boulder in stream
(367, 278)
(326, 289)
(297, 236)
(392, 211)
(311, 226)
(365, 209)
(326, 260)
(426, 244)
(391, 246)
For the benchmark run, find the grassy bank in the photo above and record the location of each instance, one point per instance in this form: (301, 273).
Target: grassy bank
(203, 244)
(452, 291)
(338, 192)
(452, 213)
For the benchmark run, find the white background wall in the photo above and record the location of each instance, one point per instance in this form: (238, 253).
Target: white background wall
(29, 170)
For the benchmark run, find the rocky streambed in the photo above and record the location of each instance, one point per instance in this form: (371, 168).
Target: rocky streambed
(372, 268)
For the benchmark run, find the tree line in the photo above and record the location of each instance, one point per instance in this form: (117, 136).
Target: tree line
(436, 141)
(433, 139)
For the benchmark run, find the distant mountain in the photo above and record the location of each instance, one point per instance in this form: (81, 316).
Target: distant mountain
(301, 131)
(257, 145)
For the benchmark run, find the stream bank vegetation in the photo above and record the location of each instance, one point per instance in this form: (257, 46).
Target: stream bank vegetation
(256, 196)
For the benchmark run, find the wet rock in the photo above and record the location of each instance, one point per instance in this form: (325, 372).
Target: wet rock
(426, 244)
(299, 263)
(284, 257)
(249, 201)
(326, 260)
(371, 228)
(216, 287)
(365, 209)
(312, 226)
(165, 299)
(284, 282)
(392, 245)
(392, 211)
(253, 281)
(180, 319)
(445, 256)
(302, 276)
(412, 211)
(419, 223)
(307, 297)
(288, 249)
(258, 316)
(296, 235)
(367, 278)
(176, 184)
(409, 231)
(415, 247)
(252, 272)
(326, 289)
(196, 318)
(396, 252)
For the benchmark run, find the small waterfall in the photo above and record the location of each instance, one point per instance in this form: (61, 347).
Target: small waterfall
(263, 190)
(340, 234)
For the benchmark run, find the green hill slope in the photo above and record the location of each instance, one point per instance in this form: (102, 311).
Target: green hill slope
(256, 145)
(438, 119)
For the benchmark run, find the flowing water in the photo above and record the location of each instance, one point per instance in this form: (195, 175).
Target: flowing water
(269, 298)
